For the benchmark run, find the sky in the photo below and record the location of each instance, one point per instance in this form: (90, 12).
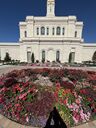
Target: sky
(14, 11)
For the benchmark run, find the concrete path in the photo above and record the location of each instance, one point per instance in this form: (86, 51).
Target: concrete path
(8, 68)
(6, 123)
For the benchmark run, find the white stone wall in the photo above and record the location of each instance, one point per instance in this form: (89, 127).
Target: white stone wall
(31, 42)
(70, 25)
(87, 51)
(12, 48)
(50, 48)
(83, 52)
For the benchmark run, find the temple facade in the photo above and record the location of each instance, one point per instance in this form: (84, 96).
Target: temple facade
(50, 38)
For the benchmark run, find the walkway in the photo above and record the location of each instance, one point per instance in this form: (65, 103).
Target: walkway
(8, 68)
(6, 123)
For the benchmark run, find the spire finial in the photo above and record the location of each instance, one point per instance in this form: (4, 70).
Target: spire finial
(50, 8)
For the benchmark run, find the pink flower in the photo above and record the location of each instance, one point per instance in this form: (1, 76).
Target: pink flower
(27, 119)
(83, 116)
(75, 94)
(1, 83)
(4, 89)
(70, 106)
(58, 85)
(17, 105)
(78, 101)
(22, 96)
(75, 120)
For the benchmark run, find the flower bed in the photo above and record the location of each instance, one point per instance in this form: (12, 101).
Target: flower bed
(26, 101)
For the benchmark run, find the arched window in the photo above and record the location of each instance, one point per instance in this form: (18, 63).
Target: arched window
(58, 31)
(37, 31)
(53, 31)
(63, 31)
(57, 56)
(42, 31)
(75, 33)
(43, 56)
(47, 31)
(25, 33)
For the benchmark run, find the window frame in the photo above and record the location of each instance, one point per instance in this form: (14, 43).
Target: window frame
(57, 55)
(42, 30)
(53, 31)
(25, 33)
(58, 31)
(63, 31)
(76, 34)
(37, 30)
(47, 31)
(43, 55)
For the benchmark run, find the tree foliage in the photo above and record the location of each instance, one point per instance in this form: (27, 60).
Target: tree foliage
(94, 56)
(32, 58)
(7, 57)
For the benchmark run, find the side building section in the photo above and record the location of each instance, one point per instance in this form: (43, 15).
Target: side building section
(12, 48)
(63, 51)
(88, 51)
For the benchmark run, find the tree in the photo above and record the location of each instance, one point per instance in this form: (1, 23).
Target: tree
(70, 58)
(43, 60)
(32, 58)
(7, 57)
(94, 56)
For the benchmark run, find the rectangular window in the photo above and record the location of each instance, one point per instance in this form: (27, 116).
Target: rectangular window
(28, 57)
(75, 33)
(63, 31)
(53, 31)
(25, 33)
(58, 31)
(47, 31)
(42, 30)
(37, 31)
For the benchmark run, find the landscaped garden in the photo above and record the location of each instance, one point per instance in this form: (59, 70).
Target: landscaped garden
(28, 96)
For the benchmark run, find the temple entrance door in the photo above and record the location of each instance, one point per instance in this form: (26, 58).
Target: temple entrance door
(51, 55)
(72, 57)
(29, 57)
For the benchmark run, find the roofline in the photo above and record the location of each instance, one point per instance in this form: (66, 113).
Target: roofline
(9, 44)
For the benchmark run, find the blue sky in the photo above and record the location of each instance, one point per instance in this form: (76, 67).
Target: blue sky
(13, 11)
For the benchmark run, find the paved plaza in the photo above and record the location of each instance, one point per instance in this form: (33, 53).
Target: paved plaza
(6, 123)
(8, 68)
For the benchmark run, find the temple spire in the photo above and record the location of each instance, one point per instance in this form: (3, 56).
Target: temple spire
(50, 8)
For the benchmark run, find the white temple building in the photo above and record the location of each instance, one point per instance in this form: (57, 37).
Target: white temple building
(50, 38)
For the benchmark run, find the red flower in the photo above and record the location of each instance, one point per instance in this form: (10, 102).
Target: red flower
(1, 100)
(22, 96)
(26, 84)
(17, 105)
(89, 99)
(65, 101)
(58, 85)
(95, 110)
